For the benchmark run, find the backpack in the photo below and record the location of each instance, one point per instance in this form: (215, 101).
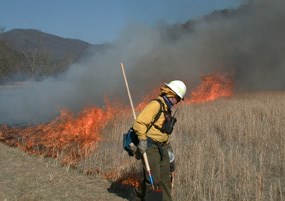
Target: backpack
(129, 138)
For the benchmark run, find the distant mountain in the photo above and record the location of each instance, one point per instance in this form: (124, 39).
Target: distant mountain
(35, 53)
(29, 53)
(24, 39)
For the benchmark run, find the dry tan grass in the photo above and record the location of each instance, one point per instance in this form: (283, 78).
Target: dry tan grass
(31, 178)
(230, 149)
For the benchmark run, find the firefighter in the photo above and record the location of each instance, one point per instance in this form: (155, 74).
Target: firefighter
(153, 126)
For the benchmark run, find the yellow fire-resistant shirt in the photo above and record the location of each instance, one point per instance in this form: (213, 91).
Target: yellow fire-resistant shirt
(144, 120)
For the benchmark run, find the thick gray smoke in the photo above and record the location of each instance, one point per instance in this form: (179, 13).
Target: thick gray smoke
(247, 42)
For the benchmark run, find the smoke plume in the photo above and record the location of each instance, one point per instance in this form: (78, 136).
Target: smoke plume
(247, 43)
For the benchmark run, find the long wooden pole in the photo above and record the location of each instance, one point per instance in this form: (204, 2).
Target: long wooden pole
(128, 90)
(134, 113)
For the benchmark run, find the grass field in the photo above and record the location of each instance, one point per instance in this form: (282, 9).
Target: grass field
(229, 149)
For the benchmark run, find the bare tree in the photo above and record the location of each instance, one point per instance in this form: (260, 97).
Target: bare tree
(31, 59)
(38, 60)
(44, 63)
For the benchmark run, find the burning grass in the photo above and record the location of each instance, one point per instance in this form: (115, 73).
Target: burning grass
(230, 149)
(67, 138)
(213, 86)
(70, 138)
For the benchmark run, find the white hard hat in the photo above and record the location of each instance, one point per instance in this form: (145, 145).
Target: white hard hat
(178, 87)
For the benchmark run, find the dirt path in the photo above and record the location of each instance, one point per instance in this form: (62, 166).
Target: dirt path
(25, 177)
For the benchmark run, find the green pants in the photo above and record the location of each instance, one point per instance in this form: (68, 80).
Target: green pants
(160, 170)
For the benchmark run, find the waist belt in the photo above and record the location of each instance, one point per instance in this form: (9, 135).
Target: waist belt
(158, 144)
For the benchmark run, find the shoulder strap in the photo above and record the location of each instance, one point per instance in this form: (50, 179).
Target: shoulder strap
(157, 115)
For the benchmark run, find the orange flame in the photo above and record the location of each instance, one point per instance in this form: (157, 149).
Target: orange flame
(131, 182)
(213, 86)
(75, 136)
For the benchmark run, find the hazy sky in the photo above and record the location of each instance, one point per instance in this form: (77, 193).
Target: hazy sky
(99, 21)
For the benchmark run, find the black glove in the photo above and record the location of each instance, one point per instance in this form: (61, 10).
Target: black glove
(141, 149)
